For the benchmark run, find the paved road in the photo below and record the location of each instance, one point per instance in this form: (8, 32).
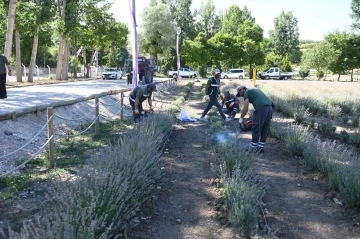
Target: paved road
(27, 99)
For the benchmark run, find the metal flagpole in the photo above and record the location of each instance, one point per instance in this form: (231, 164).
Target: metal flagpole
(134, 48)
(177, 50)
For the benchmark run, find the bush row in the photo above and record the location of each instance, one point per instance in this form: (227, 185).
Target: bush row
(334, 160)
(184, 94)
(302, 115)
(100, 199)
(347, 112)
(241, 192)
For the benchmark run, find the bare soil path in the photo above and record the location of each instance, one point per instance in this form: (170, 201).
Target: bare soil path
(298, 203)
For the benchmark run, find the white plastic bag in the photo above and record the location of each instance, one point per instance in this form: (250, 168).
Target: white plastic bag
(184, 117)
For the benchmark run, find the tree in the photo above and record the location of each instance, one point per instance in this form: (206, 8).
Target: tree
(45, 13)
(320, 57)
(347, 59)
(233, 18)
(225, 49)
(273, 60)
(304, 72)
(355, 8)
(285, 36)
(196, 53)
(208, 21)
(24, 23)
(157, 32)
(10, 28)
(250, 36)
(183, 17)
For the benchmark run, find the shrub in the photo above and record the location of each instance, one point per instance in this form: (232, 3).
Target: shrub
(173, 108)
(187, 90)
(296, 137)
(319, 74)
(333, 111)
(107, 191)
(355, 139)
(304, 72)
(344, 136)
(355, 121)
(301, 114)
(276, 129)
(216, 126)
(179, 101)
(328, 128)
(336, 161)
(241, 199)
(232, 156)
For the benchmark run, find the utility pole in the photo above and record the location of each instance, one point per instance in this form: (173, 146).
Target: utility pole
(134, 48)
(177, 50)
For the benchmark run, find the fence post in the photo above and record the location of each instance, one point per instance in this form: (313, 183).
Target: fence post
(122, 105)
(96, 115)
(50, 112)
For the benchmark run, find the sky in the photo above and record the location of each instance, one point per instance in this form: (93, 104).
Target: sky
(316, 18)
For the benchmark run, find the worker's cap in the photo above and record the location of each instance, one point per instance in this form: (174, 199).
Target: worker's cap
(227, 92)
(217, 71)
(152, 86)
(240, 88)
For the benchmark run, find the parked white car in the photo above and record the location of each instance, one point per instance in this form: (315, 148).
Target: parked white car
(112, 73)
(233, 74)
(183, 72)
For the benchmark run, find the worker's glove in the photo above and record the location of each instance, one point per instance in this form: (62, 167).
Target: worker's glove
(221, 97)
(207, 98)
(137, 112)
(231, 104)
(241, 120)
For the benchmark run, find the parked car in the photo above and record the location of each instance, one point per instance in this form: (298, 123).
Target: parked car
(234, 74)
(183, 72)
(275, 73)
(112, 73)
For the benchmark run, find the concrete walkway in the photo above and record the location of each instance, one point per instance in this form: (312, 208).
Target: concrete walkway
(30, 99)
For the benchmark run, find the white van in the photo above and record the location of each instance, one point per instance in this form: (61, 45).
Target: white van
(234, 73)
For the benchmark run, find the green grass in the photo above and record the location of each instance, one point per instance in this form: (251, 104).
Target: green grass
(68, 154)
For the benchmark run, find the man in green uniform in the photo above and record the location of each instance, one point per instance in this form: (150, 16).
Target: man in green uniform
(231, 103)
(212, 93)
(261, 117)
(138, 95)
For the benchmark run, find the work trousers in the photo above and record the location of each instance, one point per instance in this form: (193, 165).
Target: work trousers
(232, 111)
(3, 93)
(261, 126)
(214, 101)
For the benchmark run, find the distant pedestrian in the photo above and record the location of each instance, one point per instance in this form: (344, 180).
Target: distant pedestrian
(261, 118)
(4, 64)
(212, 93)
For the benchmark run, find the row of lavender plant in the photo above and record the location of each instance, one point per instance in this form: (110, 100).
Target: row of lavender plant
(99, 200)
(338, 162)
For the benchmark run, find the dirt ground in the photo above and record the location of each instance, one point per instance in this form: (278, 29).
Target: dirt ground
(298, 203)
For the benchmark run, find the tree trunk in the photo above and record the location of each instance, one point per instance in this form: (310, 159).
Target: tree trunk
(59, 65)
(18, 57)
(10, 29)
(326, 72)
(352, 74)
(65, 61)
(59, 58)
(338, 79)
(33, 55)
